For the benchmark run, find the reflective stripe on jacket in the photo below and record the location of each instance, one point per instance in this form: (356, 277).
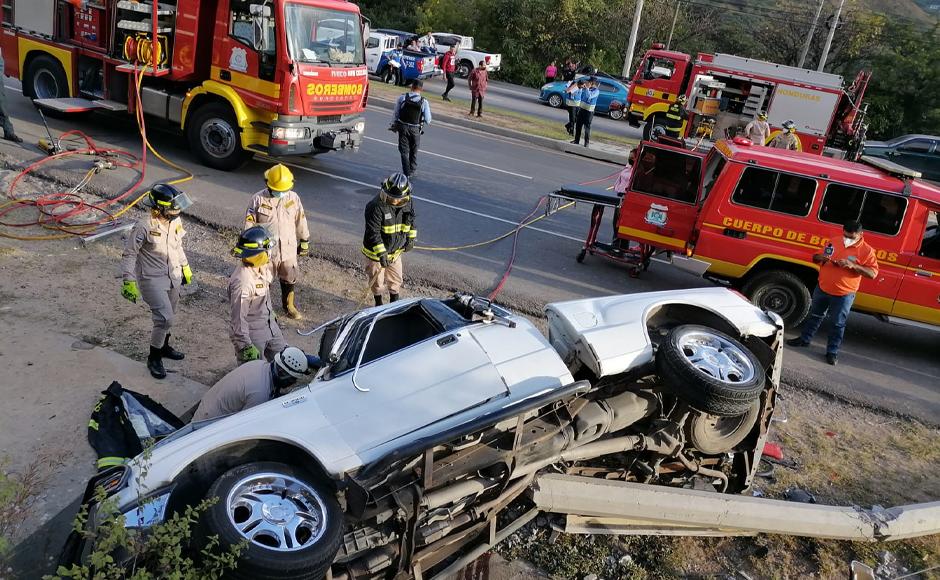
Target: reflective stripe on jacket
(675, 115)
(589, 99)
(388, 229)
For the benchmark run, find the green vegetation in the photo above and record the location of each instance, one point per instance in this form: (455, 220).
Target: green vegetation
(903, 53)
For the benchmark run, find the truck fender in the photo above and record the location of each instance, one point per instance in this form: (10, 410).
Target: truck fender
(244, 114)
(29, 49)
(654, 109)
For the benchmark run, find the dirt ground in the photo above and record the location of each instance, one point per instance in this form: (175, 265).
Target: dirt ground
(843, 454)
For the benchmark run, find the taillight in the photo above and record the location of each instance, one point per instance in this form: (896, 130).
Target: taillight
(487, 59)
(420, 64)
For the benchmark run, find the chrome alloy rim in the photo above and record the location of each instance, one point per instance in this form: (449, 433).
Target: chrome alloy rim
(277, 512)
(716, 357)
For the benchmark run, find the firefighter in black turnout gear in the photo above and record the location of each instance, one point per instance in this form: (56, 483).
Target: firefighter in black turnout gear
(412, 113)
(390, 231)
(675, 118)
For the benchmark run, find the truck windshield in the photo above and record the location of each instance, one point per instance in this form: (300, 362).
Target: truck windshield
(322, 35)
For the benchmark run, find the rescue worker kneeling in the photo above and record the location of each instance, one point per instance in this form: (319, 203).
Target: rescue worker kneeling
(390, 231)
(256, 382)
(254, 328)
(154, 266)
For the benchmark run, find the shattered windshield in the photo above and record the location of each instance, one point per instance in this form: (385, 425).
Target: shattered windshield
(324, 36)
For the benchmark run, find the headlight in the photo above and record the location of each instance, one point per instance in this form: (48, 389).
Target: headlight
(288, 132)
(359, 127)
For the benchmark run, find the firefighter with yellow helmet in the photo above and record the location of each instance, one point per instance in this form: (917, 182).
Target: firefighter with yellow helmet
(279, 209)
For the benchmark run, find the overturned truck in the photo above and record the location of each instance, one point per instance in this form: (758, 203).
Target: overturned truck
(431, 416)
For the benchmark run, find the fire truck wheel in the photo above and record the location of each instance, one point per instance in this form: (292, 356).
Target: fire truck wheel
(45, 79)
(781, 292)
(214, 136)
(654, 121)
(711, 371)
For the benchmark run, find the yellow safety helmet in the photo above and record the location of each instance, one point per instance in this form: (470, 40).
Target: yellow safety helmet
(279, 178)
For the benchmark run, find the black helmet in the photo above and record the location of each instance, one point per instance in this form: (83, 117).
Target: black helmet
(397, 188)
(168, 199)
(252, 242)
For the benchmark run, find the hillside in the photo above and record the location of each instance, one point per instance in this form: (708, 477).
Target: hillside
(907, 9)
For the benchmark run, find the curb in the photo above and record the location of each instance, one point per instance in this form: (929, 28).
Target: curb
(618, 157)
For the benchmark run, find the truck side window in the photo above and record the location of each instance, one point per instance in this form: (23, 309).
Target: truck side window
(916, 146)
(713, 168)
(765, 189)
(658, 68)
(930, 246)
(668, 174)
(372, 43)
(878, 212)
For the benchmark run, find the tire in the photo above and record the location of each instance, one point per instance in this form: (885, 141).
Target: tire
(714, 435)
(556, 101)
(260, 484)
(464, 68)
(616, 114)
(45, 79)
(214, 136)
(709, 370)
(781, 292)
(654, 121)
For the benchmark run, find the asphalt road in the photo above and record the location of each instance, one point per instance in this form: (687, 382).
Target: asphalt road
(472, 187)
(526, 100)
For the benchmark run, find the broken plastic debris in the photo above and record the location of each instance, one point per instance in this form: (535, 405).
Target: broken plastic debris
(799, 495)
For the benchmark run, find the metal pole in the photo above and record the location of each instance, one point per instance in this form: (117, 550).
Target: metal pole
(809, 35)
(832, 33)
(673, 28)
(628, 61)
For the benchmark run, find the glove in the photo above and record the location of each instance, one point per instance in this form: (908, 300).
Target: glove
(248, 353)
(410, 245)
(383, 259)
(130, 291)
(187, 275)
(303, 248)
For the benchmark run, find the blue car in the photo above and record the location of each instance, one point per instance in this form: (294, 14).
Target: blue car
(610, 102)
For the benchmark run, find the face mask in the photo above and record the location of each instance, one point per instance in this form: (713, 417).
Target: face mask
(276, 193)
(849, 242)
(257, 260)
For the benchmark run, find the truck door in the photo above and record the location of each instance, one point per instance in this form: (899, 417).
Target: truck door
(658, 80)
(660, 207)
(918, 154)
(247, 56)
(373, 53)
(919, 296)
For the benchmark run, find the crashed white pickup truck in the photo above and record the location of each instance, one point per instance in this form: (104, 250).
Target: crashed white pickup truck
(468, 57)
(430, 416)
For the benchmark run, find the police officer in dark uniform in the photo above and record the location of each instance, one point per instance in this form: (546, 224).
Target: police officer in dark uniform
(675, 117)
(412, 113)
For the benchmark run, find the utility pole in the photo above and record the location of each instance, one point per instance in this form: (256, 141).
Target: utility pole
(628, 61)
(832, 33)
(809, 35)
(673, 29)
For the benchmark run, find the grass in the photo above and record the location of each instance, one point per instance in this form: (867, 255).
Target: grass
(499, 117)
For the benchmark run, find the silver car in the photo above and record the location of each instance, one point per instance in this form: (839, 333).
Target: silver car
(431, 416)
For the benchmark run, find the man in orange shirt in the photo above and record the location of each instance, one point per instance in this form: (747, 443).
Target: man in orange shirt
(842, 265)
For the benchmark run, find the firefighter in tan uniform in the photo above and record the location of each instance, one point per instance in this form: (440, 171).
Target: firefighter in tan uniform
(390, 231)
(278, 208)
(758, 130)
(254, 328)
(787, 138)
(154, 266)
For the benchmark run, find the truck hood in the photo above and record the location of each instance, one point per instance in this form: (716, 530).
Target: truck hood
(609, 335)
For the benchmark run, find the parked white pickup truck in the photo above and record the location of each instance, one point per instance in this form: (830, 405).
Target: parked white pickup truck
(467, 56)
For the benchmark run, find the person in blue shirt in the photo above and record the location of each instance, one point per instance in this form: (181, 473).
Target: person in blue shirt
(412, 113)
(588, 102)
(573, 102)
(393, 70)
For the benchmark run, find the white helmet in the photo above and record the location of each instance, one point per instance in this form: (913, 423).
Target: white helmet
(293, 362)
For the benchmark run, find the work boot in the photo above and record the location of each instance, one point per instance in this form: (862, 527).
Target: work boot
(378, 299)
(170, 352)
(15, 138)
(287, 301)
(392, 297)
(155, 363)
(797, 342)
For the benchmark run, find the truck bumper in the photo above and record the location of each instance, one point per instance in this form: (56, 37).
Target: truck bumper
(316, 137)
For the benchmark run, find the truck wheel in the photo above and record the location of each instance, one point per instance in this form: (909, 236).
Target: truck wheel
(711, 371)
(781, 292)
(464, 68)
(290, 522)
(555, 100)
(652, 123)
(214, 136)
(45, 79)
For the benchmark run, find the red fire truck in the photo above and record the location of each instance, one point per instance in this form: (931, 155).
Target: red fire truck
(280, 77)
(726, 92)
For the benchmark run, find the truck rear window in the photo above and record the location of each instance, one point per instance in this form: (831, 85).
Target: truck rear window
(878, 212)
(668, 174)
(775, 191)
